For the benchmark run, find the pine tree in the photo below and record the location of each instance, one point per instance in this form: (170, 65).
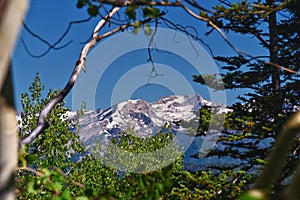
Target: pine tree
(260, 114)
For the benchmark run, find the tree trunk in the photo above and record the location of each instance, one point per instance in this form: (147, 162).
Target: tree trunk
(276, 103)
(11, 13)
(273, 48)
(8, 150)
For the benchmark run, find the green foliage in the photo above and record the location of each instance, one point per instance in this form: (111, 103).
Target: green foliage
(138, 13)
(131, 11)
(51, 150)
(206, 185)
(47, 172)
(261, 113)
(45, 166)
(208, 117)
(131, 153)
(92, 9)
(53, 145)
(150, 12)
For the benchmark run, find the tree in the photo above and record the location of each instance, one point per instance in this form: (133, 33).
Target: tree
(56, 165)
(11, 13)
(242, 18)
(262, 112)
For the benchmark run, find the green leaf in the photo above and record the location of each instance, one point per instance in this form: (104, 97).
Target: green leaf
(260, 161)
(151, 12)
(203, 14)
(137, 24)
(93, 10)
(247, 196)
(32, 187)
(147, 29)
(58, 186)
(46, 172)
(66, 195)
(160, 187)
(80, 3)
(32, 158)
(131, 12)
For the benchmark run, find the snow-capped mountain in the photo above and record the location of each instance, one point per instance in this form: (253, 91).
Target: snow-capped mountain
(166, 115)
(145, 118)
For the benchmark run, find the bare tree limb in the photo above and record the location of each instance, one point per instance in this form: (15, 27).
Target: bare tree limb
(166, 4)
(183, 29)
(80, 65)
(53, 46)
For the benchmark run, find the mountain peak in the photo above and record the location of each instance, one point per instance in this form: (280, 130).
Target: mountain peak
(145, 118)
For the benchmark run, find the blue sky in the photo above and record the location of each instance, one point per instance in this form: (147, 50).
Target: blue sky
(49, 19)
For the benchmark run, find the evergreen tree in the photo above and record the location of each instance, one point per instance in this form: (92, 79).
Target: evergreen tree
(274, 94)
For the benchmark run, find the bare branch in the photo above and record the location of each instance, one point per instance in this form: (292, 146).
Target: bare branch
(80, 64)
(153, 72)
(259, 37)
(238, 51)
(177, 3)
(45, 52)
(183, 29)
(196, 5)
(53, 46)
(140, 3)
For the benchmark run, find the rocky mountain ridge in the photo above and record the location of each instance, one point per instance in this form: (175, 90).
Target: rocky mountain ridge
(143, 117)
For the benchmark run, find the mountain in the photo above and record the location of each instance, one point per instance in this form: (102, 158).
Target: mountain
(165, 115)
(175, 114)
(145, 118)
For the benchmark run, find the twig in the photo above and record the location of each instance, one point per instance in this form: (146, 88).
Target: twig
(50, 46)
(153, 72)
(185, 31)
